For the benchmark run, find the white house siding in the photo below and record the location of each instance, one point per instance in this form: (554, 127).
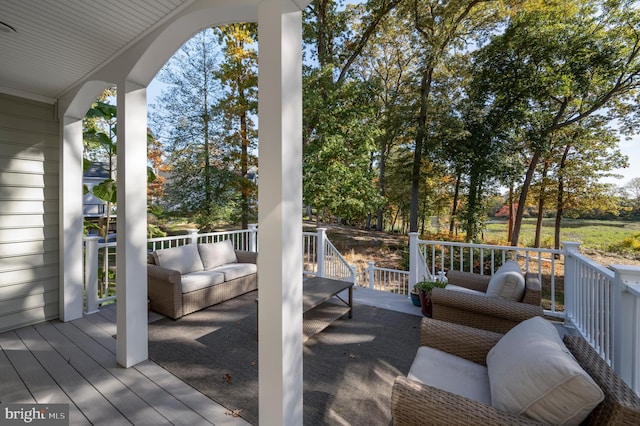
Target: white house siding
(29, 135)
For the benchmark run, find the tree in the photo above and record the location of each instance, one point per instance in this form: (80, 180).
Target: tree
(632, 190)
(388, 64)
(238, 105)
(440, 27)
(100, 128)
(183, 120)
(557, 64)
(339, 130)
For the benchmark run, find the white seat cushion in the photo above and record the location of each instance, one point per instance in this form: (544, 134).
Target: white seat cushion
(237, 270)
(507, 282)
(217, 254)
(451, 373)
(532, 373)
(199, 280)
(184, 259)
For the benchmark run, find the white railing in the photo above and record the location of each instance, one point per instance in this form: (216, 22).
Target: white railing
(100, 259)
(320, 258)
(384, 279)
(431, 257)
(603, 306)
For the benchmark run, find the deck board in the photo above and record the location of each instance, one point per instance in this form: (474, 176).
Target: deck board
(129, 404)
(74, 363)
(37, 380)
(171, 409)
(85, 396)
(12, 388)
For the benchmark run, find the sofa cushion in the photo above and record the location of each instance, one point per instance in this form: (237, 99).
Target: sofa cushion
(184, 259)
(237, 270)
(507, 282)
(532, 372)
(451, 373)
(217, 254)
(199, 280)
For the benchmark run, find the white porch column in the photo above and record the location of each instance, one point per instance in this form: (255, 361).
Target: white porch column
(132, 345)
(280, 213)
(71, 284)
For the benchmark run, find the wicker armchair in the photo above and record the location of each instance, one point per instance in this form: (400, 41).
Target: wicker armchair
(414, 403)
(488, 313)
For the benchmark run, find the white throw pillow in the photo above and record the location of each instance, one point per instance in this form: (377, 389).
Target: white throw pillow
(532, 373)
(217, 254)
(507, 282)
(184, 258)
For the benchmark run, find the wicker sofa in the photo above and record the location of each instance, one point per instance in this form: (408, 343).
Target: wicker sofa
(185, 279)
(464, 301)
(417, 403)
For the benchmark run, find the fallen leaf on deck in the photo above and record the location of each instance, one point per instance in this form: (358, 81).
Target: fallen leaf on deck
(234, 413)
(227, 378)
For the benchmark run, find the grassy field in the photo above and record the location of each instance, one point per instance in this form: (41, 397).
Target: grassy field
(600, 235)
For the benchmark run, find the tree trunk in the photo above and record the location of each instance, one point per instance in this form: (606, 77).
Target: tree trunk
(515, 236)
(454, 208)
(425, 87)
(381, 175)
(560, 202)
(244, 164)
(545, 169)
(510, 221)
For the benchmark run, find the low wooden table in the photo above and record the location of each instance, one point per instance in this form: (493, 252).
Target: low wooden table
(318, 307)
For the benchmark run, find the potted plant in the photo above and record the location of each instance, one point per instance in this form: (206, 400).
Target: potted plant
(424, 289)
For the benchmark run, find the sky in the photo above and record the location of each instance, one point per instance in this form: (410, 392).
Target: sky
(630, 148)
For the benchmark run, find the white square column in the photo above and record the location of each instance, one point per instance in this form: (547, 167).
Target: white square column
(131, 256)
(71, 221)
(280, 213)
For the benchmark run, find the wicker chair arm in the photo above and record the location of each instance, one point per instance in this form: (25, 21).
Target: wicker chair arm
(416, 404)
(469, 280)
(247, 256)
(491, 306)
(621, 405)
(466, 342)
(164, 288)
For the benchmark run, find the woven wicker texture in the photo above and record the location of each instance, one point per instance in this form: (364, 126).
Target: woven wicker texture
(488, 313)
(621, 405)
(165, 289)
(413, 403)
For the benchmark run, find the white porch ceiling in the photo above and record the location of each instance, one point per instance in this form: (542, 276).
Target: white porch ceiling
(59, 42)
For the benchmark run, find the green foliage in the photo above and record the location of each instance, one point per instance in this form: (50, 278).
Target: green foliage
(630, 244)
(106, 190)
(337, 174)
(427, 285)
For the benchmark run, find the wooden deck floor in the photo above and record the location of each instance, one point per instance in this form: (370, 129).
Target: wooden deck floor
(74, 363)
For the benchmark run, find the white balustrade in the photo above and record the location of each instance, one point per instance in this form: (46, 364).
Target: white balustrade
(602, 304)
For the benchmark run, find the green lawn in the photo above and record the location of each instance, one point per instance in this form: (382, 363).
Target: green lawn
(594, 234)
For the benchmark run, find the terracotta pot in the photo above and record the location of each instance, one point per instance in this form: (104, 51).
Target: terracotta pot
(425, 302)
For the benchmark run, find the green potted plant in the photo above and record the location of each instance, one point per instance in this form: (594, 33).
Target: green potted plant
(424, 290)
